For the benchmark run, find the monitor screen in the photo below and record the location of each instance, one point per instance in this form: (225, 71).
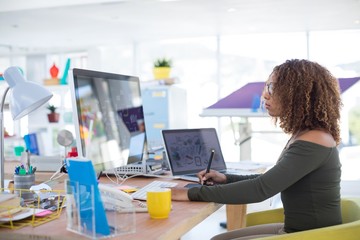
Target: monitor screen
(108, 117)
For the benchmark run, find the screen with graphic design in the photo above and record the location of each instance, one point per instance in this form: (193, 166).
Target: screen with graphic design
(110, 124)
(189, 150)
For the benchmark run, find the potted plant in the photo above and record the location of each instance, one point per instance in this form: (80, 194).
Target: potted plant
(162, 68)
(53, 116)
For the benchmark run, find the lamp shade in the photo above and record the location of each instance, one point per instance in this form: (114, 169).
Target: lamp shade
(26, 96)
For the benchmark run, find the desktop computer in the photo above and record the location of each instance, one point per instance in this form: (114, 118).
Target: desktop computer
(109, 122)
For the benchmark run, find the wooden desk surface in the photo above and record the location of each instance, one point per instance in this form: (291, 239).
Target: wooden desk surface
(183, 217)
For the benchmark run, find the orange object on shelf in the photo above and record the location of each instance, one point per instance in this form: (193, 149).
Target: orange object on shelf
(54, 71)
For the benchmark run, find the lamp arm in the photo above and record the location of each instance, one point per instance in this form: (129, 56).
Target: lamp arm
(3, 99)
(2, 156)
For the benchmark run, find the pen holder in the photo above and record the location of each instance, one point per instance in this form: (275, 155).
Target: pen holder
(22, 184)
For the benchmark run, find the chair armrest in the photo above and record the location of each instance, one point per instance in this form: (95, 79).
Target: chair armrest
(348, 231)
(263, 217)
(350, 209)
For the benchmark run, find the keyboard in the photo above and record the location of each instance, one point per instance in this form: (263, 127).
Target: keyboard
(141, 193)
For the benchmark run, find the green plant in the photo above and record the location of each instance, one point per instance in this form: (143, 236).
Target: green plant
(163, 62)
(52, 108)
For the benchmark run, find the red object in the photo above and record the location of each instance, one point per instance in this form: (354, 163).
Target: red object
(73, 152)
(54, 71)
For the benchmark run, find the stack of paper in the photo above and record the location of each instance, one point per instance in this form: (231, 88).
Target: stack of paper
(9, 204)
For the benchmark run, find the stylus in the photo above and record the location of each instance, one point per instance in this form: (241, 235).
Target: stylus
(209, 162)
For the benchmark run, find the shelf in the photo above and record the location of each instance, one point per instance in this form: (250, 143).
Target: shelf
(47, 131)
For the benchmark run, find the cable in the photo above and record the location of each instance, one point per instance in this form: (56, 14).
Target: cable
(52, 178)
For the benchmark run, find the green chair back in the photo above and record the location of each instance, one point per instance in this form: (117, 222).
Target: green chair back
(350, 209)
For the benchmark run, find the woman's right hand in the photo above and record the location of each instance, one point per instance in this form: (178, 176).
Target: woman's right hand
(211, 178)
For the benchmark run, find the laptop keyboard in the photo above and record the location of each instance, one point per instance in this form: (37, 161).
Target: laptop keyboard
(190, 177)
(141, 193)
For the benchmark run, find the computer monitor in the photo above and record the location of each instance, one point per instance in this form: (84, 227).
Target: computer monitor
(108, 117)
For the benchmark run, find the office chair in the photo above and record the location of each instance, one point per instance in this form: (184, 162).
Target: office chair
(348, 230)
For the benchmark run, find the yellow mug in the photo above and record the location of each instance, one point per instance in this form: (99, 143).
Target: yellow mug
(158, 202)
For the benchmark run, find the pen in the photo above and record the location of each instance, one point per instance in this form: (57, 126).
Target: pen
(209, 162)
(28, 158)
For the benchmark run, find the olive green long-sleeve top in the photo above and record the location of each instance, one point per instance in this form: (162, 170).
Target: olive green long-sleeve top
(306, 174)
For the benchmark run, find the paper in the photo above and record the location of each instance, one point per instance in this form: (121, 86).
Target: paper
(21, 213)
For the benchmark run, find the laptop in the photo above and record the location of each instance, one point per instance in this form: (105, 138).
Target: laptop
(188, 151)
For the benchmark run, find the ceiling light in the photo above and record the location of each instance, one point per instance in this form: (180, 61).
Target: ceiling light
(168, 0)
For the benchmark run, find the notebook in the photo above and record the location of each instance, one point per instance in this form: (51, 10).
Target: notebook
(188, 151)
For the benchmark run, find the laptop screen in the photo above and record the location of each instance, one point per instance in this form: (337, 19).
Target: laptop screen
(188, 150)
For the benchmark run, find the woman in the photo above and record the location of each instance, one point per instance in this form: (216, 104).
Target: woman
(303, 97)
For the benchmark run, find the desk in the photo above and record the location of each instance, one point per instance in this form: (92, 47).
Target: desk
(236, 214)
(183, 217)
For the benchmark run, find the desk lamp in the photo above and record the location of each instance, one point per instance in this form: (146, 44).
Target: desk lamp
(26, 97)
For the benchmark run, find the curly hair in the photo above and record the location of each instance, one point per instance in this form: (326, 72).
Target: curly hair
(309, 97)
